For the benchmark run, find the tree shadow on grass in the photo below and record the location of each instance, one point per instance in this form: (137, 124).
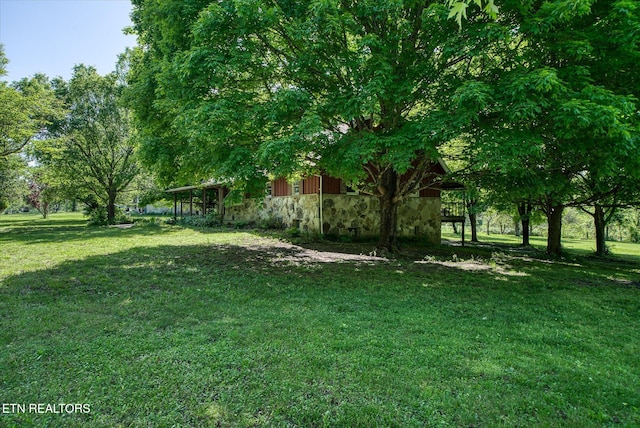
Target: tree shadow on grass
(64, 231)
(262, 256)
(258, 326)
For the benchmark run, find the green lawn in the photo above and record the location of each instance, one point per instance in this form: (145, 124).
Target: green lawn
(158, 326)
(573, 246)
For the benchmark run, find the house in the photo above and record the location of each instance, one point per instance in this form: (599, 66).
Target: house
(326, 205)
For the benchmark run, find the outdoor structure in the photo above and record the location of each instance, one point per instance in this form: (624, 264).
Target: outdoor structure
(325, 205)
(198, 200)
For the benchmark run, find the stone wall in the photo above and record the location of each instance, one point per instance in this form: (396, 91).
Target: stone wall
(300, 211)
(360, 215)
(420, 217)
(357, 215)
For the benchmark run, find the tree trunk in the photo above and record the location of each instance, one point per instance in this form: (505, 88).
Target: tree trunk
(600, 224)
(472, 209)
(526, 230)
(474, 227)
(45, 210)
(388, 211)
(554, 235)
(111, 208)
(524, 209)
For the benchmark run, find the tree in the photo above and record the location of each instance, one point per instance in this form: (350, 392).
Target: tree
(459, 9)
(609, 193)
(42, 192)
(615, 44)
(354, 89)
(3, 61)
(541, 118)
(26, 107)
(94, 148)
(12, 185)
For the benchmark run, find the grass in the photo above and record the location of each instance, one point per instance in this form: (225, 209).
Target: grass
(580, 247)
(167, 326)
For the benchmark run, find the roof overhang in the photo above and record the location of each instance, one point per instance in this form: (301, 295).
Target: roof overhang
(209, 185)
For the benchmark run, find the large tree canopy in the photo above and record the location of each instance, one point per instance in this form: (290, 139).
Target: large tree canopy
(239, 88)
(370, 90)
(553, 119)
(12, 185)
(94, 149)
(26, 108)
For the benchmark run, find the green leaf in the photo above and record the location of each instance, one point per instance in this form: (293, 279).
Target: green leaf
(458, 10)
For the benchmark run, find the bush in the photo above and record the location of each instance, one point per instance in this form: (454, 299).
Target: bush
(98, 215)
(293, 232)
(210, 220)
(271, 222)
(148, 221)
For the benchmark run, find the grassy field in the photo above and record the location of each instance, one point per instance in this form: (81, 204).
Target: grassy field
(574, 247)
(158, 326)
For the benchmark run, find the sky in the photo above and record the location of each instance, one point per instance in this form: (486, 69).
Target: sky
(51, 36)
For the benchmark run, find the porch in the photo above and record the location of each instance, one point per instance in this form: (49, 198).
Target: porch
(452, 206)
(198, 200)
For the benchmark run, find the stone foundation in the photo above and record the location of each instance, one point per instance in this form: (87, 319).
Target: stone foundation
(360, 215)
(356, 215)
(301, 211)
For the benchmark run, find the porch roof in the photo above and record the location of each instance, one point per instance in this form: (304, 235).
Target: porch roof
(209, 185)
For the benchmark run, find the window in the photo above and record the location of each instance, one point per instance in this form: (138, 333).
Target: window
(296, 187)
(352, 191)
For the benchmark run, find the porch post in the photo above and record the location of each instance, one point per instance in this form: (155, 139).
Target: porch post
(221, 202)
(204, 202)
(464, 213)
(191, 202)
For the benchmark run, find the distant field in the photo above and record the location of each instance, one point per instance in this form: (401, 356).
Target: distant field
(575, 246)
(159, 325)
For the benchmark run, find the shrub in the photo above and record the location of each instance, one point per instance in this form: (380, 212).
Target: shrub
(148, 221)
(98, 215)
(210, 220)
(272, 222)
(293, 232)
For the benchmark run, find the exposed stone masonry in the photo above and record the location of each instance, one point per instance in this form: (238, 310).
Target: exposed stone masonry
(356, 215)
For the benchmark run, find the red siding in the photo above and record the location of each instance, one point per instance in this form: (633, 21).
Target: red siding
(430, 193)
(331, 185)
(280, 187)
(311, 185)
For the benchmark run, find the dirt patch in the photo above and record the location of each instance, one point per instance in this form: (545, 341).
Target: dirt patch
(286, 252)
(123, 226)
